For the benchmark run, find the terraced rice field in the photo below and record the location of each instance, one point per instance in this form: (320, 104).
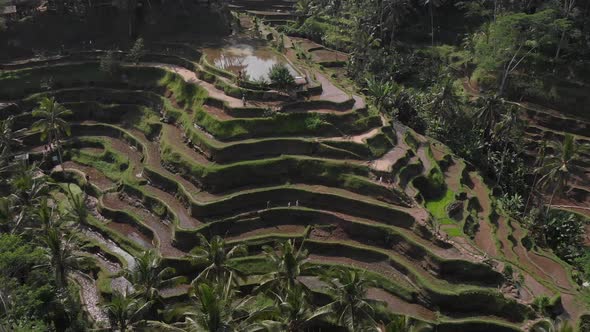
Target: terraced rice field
(165, 154)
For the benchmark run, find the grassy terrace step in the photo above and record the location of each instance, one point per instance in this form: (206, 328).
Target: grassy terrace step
(461, 300)
(278, 170)
(388, 239)
(288, 124)
(391, 240)
(453, 267)
(73, 176)
(312, 194)
(215, 150)
(553, 120)
(304, 123)
(172, 63)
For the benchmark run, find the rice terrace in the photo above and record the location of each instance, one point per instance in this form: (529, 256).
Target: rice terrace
(283, 165)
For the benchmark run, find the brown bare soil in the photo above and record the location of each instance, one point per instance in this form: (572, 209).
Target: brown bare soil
(400, 306)
(162, 231)
(296, 230)
(184, 218)
(328, 56)
(484, 238)
(94, 151)
(96, 177)
(552, 269)
(173, 134)
(382, 268)
(386, 162)
(503, 232)
(453, 176)
(131, 233)
(217, 112)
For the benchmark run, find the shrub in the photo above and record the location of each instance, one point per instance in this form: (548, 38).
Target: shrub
(109, 64)
(136, 52)
(280, 77)
(564, 233)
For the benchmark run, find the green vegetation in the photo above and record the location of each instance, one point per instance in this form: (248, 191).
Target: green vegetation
(280, 77)
(148, 189)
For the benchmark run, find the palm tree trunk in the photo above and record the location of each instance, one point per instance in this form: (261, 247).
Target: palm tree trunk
(502, 163)
(559, 45)
(539, 163)
(132, 6)
(503, 82)
(551, 199)
(526, 206)
(59, 156)
(495, 9)
(431, 23)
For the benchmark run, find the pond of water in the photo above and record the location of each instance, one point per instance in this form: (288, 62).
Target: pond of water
(254, 60)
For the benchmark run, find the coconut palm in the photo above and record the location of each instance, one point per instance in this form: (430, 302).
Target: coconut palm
(445, 101)
(125, 310)
(303, 9)
(28, 185)
(60, 249)
(294, 312)
(560, 164)
(489, 113)
(9, 138)
(28, 192)
(78, 211)
(547, 325)
(51, 123)
(431, 5)
(349, 291)
(217, 308)
(148, 276)
(503, 129)
(215, 256)
(540, 160)
(288, 263)
(395, 12)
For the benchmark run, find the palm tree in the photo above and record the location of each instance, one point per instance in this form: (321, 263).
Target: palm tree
(9, 138)
(294, 313)
(215, 256)
(406, 324)
(445, 101)
(60, 250)
(51, 123)
(78, 211)
(396, 11)
(218, 309)
(28, 192)
(566, 10)
(431, 5)
(547, 325)
(540, 160)
(303, 9)
(349, 291)
(288, 263)
(148, 276)
(503, 130)
(489, 113)
(125, 310)
(28, 185)
(561, 164)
